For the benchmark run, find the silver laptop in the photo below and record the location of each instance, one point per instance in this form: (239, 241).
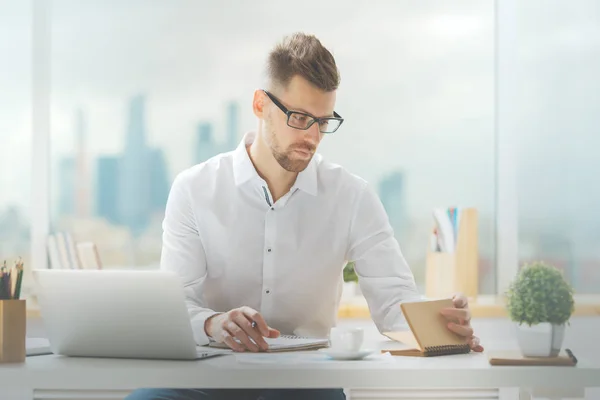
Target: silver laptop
(117, 313)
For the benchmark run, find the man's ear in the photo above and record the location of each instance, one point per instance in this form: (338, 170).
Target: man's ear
(258, 103)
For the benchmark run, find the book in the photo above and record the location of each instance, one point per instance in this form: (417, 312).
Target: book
(286, 343)
(54, 253)
(62, 250)
(73, 255)
(88, 255)
(445, 230)
(429, 334)
(514, 357)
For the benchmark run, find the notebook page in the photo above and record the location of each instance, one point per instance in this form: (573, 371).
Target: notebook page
(294, 342)
(405, 337)
(429, 327)
(287, 343)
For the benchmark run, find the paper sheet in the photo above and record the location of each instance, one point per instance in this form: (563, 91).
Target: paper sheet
(292, 358)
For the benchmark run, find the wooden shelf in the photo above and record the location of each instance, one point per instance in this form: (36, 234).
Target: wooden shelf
(486, 307)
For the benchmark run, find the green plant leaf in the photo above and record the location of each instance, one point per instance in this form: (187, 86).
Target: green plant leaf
(349, 273)
(539, 294)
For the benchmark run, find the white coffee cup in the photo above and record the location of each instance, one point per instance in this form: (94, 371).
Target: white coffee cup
(346, 339)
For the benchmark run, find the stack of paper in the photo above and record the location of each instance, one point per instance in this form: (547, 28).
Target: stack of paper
(287, 343)
(37, 346)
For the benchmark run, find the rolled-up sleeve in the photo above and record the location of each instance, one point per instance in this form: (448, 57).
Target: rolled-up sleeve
(384, 276)
(183, 253)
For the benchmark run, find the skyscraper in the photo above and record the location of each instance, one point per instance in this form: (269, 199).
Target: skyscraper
(107, 188)
(392, 194)
(159, 180)
(134, 183)
(66, 191)
(82, 178)
(205, 144)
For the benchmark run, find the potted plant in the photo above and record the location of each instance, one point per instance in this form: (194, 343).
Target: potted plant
(540, 302)
(351, 287)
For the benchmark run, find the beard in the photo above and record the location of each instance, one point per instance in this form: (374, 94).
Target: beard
(288, 158)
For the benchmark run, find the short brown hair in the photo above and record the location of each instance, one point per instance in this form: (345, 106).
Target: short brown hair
(304, 55)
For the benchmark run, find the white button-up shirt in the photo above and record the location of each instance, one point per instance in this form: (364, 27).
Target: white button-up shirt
(233, 246)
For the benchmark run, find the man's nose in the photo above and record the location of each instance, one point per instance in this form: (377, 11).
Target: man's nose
(313, 133)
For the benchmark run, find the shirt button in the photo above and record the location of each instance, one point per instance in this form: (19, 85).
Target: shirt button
(269, 249)
(272, 208)
(267, 291)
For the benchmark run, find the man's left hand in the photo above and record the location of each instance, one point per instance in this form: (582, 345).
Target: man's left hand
(459, 318)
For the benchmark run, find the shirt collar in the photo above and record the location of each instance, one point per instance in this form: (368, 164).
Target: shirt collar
(307, 179)
(244, 170)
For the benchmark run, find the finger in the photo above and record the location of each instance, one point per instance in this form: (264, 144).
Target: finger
(475, 345)
(239, 333)
(462, 314)
(273, 333)
(459, 300)
(462, 330)
(255, 316)
(245, 324)
(232, 343)
(473, 342)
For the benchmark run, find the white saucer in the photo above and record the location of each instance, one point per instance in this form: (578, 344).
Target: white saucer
(346, 355)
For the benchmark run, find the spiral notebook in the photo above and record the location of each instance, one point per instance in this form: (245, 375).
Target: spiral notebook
(429, 334)
(287, 343)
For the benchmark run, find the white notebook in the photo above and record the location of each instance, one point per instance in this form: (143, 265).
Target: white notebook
(287, 343)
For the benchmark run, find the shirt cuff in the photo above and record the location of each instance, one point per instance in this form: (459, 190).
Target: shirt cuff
(198, 321)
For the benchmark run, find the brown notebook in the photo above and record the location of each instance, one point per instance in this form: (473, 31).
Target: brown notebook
(429, 334)
(564, 358)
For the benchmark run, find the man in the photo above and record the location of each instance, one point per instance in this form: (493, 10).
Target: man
(261, 234)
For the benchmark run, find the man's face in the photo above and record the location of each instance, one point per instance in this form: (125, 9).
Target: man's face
(294, 148)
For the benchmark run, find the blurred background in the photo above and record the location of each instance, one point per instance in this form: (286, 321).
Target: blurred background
(141, 90)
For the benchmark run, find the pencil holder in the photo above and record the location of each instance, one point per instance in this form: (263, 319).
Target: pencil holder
(13, 324)
(450, 272)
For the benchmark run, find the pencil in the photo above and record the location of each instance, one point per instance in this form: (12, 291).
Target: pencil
(3, 294)
(14, 277)
(7, 284)
(19, 281)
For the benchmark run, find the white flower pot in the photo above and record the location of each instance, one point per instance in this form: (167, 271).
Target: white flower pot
(348, 290)
(540, 340)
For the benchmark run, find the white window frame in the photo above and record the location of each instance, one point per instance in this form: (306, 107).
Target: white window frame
(506, 133)
(506, 207)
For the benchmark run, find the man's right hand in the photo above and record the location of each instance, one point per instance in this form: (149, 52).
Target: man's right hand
(237, 324)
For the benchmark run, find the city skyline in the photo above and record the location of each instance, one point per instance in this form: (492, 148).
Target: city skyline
(130, 186)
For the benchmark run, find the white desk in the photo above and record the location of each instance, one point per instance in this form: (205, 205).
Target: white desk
(462, 376)
(449, 377)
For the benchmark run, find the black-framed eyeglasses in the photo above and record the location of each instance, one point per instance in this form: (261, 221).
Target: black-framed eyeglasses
(303, 121)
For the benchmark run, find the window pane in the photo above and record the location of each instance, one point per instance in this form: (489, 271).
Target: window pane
(135, 105)
(558, 159)
(15, 133)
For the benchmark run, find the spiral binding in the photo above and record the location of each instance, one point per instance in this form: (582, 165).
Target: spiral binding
(294, 337)
(447, 349)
